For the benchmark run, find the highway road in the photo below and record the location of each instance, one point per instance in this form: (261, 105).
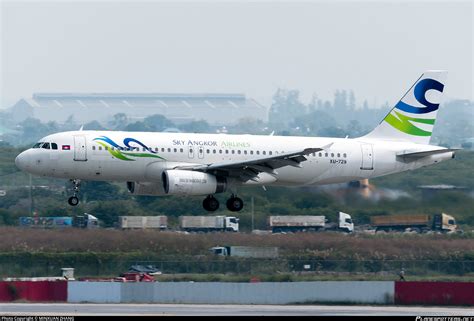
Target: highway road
(60, 309)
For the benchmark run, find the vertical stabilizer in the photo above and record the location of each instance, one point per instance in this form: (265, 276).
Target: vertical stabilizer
(413, 117)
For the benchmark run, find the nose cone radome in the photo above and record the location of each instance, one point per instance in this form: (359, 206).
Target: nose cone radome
(20, 161)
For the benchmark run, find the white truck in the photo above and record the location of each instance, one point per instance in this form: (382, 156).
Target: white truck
(304, 223)
(246, 251)
(208, 223)
(143, 222)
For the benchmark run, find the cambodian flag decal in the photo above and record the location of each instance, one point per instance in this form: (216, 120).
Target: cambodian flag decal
(66, 147)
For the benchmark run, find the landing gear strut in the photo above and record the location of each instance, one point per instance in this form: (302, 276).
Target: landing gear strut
(210, 203)
(234, 204)
(74, 200)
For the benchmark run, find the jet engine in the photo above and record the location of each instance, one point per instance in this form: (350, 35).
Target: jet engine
(183, 182)
(151, 189)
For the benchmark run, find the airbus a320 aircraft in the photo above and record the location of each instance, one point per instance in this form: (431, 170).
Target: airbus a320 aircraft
(207, 164)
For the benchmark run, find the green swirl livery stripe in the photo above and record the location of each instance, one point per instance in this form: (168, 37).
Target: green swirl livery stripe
(404, 124)
(123, 155)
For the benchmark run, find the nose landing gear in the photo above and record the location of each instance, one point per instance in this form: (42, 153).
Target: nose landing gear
(74, 200)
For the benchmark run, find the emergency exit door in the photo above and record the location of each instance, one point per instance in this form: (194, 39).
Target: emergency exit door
(80, 149)
(367, 157)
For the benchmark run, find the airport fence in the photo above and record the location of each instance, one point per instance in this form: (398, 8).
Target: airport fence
(103, 267)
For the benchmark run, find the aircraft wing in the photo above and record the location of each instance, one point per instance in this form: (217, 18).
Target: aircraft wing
(249, 169)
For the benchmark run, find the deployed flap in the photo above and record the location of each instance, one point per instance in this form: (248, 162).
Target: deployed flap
(248, 169)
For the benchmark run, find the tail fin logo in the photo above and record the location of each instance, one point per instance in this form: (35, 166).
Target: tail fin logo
(405, 123)
(420, 91)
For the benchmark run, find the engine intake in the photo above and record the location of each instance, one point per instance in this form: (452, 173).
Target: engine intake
(181, 182)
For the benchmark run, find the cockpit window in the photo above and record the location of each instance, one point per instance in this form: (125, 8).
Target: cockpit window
(45, 146)
(37, 145)
(54, 146)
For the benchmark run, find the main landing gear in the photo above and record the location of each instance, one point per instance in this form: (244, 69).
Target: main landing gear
(210, 203)
(234, 204)
(74, 200)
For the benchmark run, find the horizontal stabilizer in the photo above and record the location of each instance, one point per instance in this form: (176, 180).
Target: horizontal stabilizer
(418, 154)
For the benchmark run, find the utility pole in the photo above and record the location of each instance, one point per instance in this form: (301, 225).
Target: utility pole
(31, 196)
(251, 200)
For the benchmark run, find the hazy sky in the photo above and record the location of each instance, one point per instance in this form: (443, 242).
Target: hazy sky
(376, 48)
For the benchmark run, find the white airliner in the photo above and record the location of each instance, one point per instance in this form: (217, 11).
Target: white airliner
(207, 164)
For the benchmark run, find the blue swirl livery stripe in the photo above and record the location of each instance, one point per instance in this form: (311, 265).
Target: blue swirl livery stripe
(108, 141)
(420, 94)
(119, 151)
(127, 142)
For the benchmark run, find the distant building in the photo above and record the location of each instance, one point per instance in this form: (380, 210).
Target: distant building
(216, 109)
(432, 191)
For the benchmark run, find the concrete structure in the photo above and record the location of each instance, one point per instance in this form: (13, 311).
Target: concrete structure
(216, 109)
(429, 192)
(380, 292)
(334, 292)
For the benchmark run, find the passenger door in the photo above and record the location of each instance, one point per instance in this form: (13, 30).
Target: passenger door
(367, 157)
(80, 149)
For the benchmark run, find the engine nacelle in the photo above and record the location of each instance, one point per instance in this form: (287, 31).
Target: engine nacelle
(180, 182)
(150, 189)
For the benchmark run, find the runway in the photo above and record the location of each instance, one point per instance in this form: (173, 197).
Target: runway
(67, 309)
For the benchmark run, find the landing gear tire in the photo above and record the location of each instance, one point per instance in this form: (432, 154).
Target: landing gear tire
(234, 204)
(73, 201)
(210, 204)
